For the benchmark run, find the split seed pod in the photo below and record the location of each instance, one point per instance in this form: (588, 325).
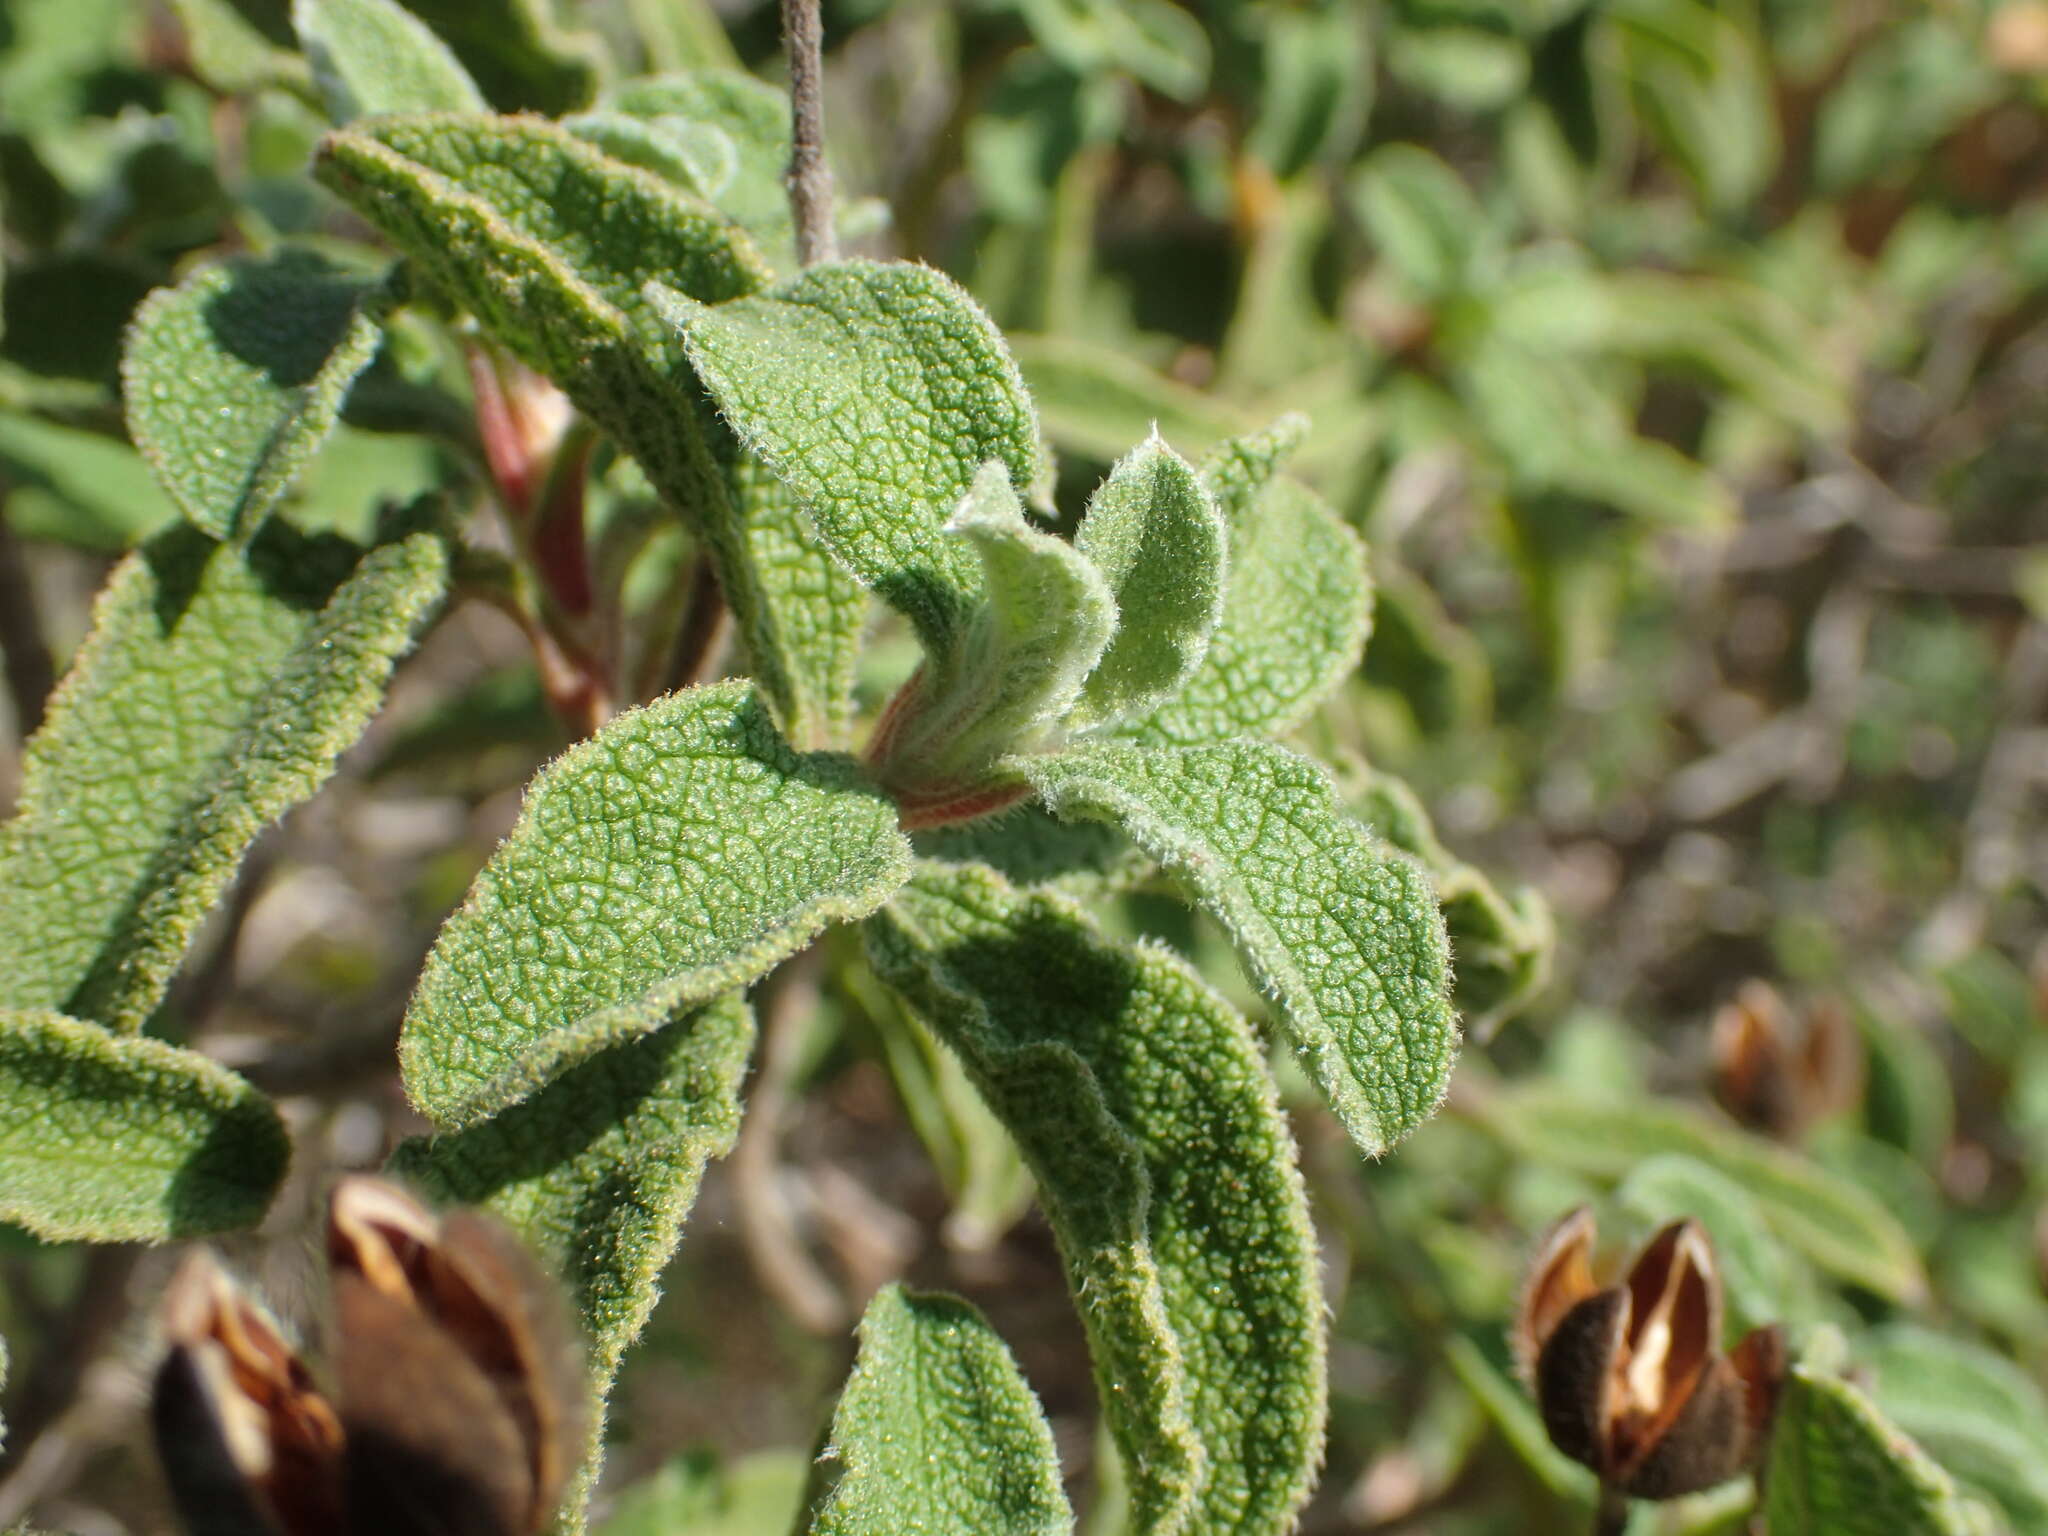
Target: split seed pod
(248, 1444)
(1778, 1073)
(1630, 1378)
(458, 1387)
(458, 1398)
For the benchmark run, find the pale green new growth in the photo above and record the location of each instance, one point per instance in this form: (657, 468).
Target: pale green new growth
(214, 693)
(1835, 1222)
(549, 243)
(1143, 1105)
(1155, 535)
(235, 377)
(1343, 934)
(112, 1138)
(1296, 607)
(374, 56)
(876, 391)
(936, 1433)
(598, 1170)
(1838, 1469)
(1040, 628)
(678, 854)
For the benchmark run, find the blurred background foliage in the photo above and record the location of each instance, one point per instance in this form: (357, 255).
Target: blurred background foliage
(1685, 365)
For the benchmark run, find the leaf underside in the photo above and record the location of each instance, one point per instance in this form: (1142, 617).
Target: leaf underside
(1143, 1107)
(215, 691)
(549, 243)
(598, 1170)
(119, 1138)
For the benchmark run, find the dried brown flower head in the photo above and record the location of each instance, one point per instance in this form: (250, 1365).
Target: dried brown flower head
(457, 1399)
(1630, 1378)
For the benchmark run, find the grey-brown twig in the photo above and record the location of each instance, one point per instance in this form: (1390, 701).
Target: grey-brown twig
(808, 179)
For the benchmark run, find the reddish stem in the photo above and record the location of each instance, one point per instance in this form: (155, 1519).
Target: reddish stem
(559, 549)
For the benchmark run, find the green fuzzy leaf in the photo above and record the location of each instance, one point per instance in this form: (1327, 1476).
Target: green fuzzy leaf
(1422, 216)
(233, 56)
(753, 118)
(697, 1494)
(541, 236)
(937, 1431)
(1832, 1221)
(1296, 607)
(235, 377)
(79, 487)
(696, 157)
(549, 244)
(519, 51)
(1154, 40)
(1097, 400)
(821, 612)
(1502, 945)
(1342, 934)
(1040, 629)
(1155, 535)
(598, 1170)
(112, 1138)
(877, 392)
(678, 854)
(1981, 1414)
(374, 56)
(1028, 847)
(1143, 1106)
(1838, 1469)
(214, 693)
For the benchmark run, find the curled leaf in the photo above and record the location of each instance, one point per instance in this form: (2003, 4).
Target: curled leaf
(234, 378)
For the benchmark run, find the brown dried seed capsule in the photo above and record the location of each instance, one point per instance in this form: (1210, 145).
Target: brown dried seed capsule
(460, 1395)
(248, 1445)
(1630, 1379)
(1779, 1073)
